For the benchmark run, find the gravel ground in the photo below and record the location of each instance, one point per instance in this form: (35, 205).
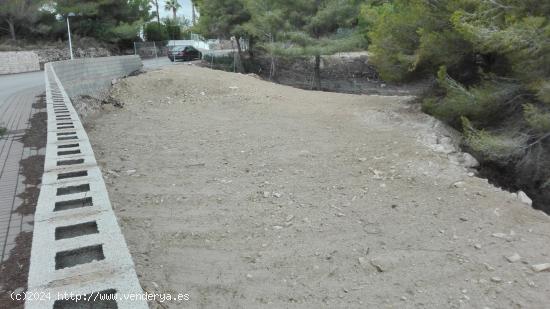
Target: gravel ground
(248, 194)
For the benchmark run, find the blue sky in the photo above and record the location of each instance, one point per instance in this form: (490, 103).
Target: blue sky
(185, 9)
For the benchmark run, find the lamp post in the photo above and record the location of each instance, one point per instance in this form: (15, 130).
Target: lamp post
(69, 31)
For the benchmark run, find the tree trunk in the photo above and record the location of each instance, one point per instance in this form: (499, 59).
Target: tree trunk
(174, 12)
(272, 66)
(239, 62)
(193, 17)
(11, 24)
(250, 44)
(158, 15)
(317, 73)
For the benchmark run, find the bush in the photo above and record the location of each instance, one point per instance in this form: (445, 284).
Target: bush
(485, 104)
(414, 37)
(155, 32)
(500, 148)
(536, 118)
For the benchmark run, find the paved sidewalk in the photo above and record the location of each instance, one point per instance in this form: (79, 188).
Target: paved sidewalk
(15, 112)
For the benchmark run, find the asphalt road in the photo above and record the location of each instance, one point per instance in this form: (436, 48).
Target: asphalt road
(15, 83)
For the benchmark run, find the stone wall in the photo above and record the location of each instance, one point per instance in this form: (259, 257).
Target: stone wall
(93, 76)
(18, 62)
(46, 55)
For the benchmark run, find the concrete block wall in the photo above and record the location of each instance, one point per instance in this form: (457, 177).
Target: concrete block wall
(18, 62)
(93, 76)
(79, 258)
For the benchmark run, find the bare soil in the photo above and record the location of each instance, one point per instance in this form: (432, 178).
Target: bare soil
(249, 194)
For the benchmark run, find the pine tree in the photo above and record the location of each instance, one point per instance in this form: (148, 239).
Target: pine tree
(18, 12)
(320, 27)
(224, 19)
(267, 24)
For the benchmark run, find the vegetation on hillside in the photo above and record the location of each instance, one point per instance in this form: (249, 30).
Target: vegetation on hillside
(301, 28)
(492, 64)
(490, 60)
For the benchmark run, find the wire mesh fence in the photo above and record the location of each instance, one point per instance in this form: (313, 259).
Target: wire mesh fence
(150, 50)
(215, 48)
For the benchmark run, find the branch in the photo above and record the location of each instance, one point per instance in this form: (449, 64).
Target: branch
(500, 5)
(538, 141)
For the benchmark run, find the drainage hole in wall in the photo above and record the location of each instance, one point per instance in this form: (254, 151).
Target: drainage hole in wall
(72, 204)
(68, 152)
(78, 256)
(77, 230)
(72, 175)
(68, 145)
(66, 138)
(70, 162)
(73, 189)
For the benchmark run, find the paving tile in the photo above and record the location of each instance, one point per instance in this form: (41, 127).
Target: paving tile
(15, 115)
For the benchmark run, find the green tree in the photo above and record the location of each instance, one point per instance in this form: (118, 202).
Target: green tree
(18, 12)
(320, 27)
(224, 19)
(412, 37)
(492, 60)
(193, 12)
(155, 32)
(155, 3)
(108, 20)
(174, 28)
(266, 25)
(172, 5)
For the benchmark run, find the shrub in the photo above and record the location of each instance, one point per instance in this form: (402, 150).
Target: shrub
(484, 104)
(499, 148)
(536, 118)
(155, 32)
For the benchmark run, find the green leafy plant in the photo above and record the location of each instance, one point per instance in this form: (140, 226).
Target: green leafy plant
(500, 148)
(536, 118)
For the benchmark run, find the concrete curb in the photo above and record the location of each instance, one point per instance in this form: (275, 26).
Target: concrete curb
(77, 244)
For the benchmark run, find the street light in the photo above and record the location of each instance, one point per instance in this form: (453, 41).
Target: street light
(69, 31)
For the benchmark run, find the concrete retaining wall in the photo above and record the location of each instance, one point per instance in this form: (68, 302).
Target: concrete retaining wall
(79, 256)
(18, 62)
(93, 76)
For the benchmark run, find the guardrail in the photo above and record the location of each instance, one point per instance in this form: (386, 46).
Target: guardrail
(78, 252)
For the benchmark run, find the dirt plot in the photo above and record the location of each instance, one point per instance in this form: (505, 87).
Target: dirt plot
(248, 194)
